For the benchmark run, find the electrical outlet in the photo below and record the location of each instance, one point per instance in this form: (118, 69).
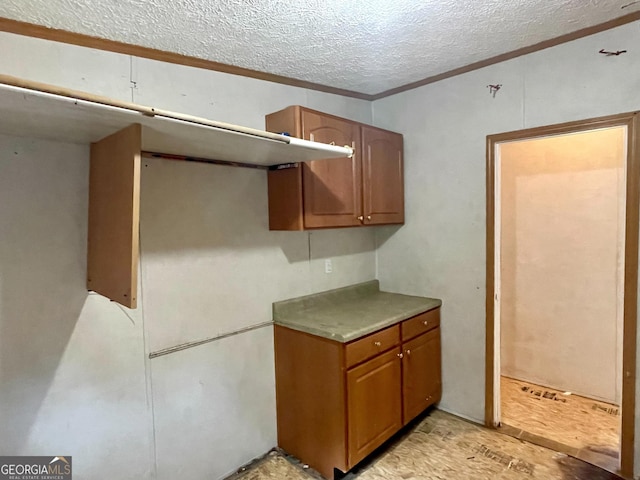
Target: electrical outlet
(328, 266)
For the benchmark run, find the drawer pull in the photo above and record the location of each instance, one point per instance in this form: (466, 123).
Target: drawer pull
(425, 323)
(400, 355)
(377, 344)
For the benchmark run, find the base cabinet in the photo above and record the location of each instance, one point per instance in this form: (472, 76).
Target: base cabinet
(337, 402)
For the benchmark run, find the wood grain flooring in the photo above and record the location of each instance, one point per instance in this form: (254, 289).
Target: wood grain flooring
(440, 446)
(579, 426)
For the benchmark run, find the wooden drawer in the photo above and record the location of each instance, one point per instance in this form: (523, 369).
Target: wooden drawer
(364, 348)
(420, 324)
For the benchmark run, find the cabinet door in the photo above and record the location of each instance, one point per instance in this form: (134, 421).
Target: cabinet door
(421, 373)
(382, 176)
(332, 188)
(374, 404)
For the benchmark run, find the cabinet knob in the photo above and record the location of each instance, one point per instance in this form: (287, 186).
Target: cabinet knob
(361, 218)
(400, 355)
(428, 398)
(368, 217)
(377, 344)
(408, 352)
(426, 322)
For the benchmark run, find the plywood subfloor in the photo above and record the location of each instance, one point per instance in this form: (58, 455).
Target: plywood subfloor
(582, 427)
(444, 447)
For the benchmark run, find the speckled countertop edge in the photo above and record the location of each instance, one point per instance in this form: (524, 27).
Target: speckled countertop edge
(346, 314)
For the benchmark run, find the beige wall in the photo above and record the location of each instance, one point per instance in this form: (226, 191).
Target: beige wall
(72, 365)
(75, 375)
(561, 243)
(440, 251)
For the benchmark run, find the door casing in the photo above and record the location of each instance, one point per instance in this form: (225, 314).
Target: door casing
(630, 302)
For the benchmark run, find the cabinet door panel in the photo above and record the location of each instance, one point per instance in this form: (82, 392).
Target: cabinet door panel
(382, 171)
(332, 188)
(421, 377)
(374, 404)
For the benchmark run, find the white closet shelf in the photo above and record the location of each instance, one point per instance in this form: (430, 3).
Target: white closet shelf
(120, 134)
(45, 111)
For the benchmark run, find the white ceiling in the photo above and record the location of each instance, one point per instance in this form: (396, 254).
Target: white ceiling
(367, 46)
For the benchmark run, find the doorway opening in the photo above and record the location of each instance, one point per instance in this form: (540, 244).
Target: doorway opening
(562, 264)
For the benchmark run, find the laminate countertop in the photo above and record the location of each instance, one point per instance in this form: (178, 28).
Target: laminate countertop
(348, 313)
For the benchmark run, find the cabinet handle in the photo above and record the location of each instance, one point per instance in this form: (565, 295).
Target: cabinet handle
(368, 217)
(361, 218)
(408, 352)
(400, 355)
(377, 344)
(426, 323)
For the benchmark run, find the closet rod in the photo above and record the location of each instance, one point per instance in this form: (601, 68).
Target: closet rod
(144, 110)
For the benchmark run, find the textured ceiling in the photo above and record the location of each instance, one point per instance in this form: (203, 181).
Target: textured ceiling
(366, 46)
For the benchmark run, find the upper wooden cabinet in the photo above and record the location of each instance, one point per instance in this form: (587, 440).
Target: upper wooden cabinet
(367, 189)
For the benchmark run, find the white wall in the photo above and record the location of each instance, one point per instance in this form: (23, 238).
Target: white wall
(561, 207)
(209, 266)
(72, 365)
(441, 250)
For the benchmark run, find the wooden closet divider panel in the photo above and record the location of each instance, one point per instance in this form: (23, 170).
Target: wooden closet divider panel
(114, 216)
